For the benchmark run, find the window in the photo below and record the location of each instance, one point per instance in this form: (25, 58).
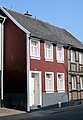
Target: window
(72, 56)
(35, 49)
(49, 81)
(81, 82)
(48, 51)
(60, 82)
(73, 78)
(60, 54)
(81, 58)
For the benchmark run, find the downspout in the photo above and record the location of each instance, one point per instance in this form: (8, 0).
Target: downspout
(68, 50)
(2, 59)
(28, 70)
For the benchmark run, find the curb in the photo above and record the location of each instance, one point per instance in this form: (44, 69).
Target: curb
(54, 110)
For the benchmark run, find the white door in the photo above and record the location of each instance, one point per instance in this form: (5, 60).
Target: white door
(35, 89)
(32, 91)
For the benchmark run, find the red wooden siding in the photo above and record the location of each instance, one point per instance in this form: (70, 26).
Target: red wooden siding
(14, 58)
(46, 66)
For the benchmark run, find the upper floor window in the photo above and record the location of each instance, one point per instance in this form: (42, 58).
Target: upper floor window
(49, 81)
(72, 56)
(48, 51)
(73, 78)
(60, 82)
(60, 54)
(35, 49)
(81, 58)
(81, 82)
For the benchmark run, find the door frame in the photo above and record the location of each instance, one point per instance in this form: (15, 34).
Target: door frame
(40, 82)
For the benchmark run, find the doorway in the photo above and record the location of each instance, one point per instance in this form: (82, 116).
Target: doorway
(35, 89)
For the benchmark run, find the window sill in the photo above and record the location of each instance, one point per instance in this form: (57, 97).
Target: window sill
(73, 62)
(60, 91)
(50, 60)
(36, 58)
(80, 63)
(60, 61)
(50, 91)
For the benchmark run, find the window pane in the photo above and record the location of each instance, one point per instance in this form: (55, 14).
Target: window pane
(35, 48)
(72, 56)
(34, 43)
(32, 50)
(60, 53)
(60, 82)
(81, 57)
(81, 82)
(59, 49)
(48, 46)
(48, 51)
(36, 51)
(49, 81)
(73, 82)
(49, 54)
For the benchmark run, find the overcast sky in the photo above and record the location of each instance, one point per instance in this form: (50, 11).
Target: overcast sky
(67, 14)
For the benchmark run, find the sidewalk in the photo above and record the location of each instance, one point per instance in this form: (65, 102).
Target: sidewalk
(6, 112)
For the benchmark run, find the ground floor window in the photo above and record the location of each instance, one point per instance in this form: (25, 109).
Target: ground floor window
(81, 82)
(49, 81)
(60, 82)
(73, 79)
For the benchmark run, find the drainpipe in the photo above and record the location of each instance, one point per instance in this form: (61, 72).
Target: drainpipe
(2, 59)
(28, 70)
(68, 50)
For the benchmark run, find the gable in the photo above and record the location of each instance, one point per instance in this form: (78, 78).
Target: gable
(4, 12)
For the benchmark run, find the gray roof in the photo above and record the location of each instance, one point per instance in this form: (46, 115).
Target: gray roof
(46, 31)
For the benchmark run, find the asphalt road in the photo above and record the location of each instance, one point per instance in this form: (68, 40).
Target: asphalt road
(67, 114)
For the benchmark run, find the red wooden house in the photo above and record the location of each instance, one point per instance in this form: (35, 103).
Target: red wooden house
(33, 62)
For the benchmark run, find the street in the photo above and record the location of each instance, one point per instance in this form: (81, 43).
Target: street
(65, 114)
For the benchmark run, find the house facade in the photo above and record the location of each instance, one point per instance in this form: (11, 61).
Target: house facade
(48, 62)
(35, 62)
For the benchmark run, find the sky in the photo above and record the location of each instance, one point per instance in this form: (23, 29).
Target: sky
(67, 14)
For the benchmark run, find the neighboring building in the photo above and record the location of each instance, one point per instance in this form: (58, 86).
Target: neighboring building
(75, 67)
(75, 75)
(34, 64)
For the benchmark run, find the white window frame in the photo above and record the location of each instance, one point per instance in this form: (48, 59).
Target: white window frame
(38, 51)
(58, 89)
(72, 55)
(72, 79)
(49, 90)
(80, 58)
(46, 51)
(61, 52)
(81, 80)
